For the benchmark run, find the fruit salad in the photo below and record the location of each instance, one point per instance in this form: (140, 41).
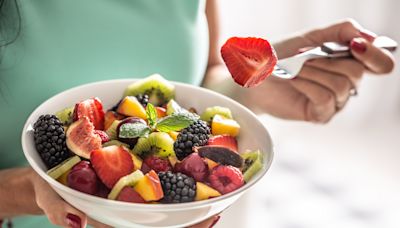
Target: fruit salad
(145, 149)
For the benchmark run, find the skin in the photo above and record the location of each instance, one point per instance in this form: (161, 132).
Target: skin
(317, 94)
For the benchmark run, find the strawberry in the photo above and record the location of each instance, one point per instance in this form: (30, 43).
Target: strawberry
(128, 194)
(111, 163)
(250, 60)
(224, 141)
(226, 179)
(91, 108)
(104, 137)
(157, 164)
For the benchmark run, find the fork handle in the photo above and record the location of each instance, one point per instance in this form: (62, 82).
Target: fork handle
(335, 50)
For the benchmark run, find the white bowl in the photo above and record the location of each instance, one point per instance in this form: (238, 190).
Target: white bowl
(253, 136)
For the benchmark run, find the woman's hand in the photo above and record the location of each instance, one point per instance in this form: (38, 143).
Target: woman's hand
(323, 86)
(56, 209)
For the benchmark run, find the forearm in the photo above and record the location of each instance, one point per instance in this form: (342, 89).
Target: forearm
(17, 195)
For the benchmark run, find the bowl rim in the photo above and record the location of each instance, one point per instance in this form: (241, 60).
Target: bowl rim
(107, 202)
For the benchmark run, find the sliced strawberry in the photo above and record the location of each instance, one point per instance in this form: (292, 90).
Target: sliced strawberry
(91, 108)
(225, 141)
(111, 163)
(250, 60)
(128, 194)
(104, 137)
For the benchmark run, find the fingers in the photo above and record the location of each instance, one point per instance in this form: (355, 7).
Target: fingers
(350, 68)
(208, 223)
(339, 85)
(375, 59)
(56, 209)
(321, 103)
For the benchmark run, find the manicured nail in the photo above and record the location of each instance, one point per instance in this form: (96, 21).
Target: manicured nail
(215, 221)
(368, 35)
(358, 45)
(73, 221)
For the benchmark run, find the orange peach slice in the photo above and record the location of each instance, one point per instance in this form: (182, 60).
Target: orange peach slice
(204, 192)
(149, 187)
(130, 106)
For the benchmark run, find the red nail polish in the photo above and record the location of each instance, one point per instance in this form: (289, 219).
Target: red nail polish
(368, 35)
(73, 221)
(215, 221)
(358, 45)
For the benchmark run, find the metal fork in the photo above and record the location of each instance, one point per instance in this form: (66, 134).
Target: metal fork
(290, 67)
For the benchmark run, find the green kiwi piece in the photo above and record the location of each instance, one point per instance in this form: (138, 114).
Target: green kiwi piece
(63, 167)
(65, 115)
(160, 91)
(128, 180)
(158, 143)
(112, 130)
(210, 112)
(253, 162)
(115, 143)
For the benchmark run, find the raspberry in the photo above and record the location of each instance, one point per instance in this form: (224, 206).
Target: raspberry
(226, 179)
(157, 164)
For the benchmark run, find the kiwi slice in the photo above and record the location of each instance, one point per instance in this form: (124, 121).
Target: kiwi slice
(253, 162)
(63, 167)
(158, 143)
(159, 90)
(115, 143)
(112, 130)
(128, 180)
(210, 112)
(65, 115)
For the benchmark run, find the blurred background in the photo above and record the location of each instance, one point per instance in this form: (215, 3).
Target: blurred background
(342, 174)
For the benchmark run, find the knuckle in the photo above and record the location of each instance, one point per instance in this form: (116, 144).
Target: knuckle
(349, 23)
(327, 98)
(342, 86)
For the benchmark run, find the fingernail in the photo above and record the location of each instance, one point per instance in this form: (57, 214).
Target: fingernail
(215, 221)
(73, 221)
(368, 35)
(358, 45)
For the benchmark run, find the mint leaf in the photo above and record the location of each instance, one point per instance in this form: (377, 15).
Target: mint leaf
(176, 121)
(134, 130)
(151, 114)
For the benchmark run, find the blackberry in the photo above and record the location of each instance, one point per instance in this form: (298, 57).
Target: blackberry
(143, 99)
(196, 134)
(177, 187)
(49, 137)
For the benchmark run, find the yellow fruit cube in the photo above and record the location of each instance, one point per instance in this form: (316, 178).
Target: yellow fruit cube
(221, 125)
(204, 192)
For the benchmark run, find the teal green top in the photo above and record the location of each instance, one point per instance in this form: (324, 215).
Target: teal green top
(63, 44)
